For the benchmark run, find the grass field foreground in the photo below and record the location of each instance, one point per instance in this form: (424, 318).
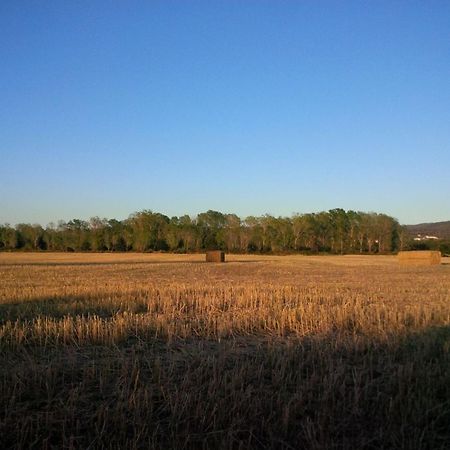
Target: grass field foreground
(274, 352)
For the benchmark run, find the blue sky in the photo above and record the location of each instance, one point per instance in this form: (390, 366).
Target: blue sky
(250, 107)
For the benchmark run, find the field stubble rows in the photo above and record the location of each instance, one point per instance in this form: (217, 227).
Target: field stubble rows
(153, 351)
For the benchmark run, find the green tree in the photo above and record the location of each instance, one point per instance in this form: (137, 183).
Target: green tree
(211, 224)
(339, 225)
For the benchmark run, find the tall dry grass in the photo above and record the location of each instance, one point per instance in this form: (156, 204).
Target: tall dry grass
(262, 352)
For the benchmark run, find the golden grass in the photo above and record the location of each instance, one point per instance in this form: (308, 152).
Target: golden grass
(166, 351)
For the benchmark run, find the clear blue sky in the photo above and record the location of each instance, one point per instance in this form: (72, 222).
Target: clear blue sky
(252, 107)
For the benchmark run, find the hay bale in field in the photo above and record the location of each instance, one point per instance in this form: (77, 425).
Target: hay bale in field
(215, 256)
(420, 258)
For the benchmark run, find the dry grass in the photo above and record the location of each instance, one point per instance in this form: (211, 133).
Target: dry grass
(166, 351)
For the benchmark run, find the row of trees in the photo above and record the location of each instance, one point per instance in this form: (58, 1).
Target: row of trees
(334, 231)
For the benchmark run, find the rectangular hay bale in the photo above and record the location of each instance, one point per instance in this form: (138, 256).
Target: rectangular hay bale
(215, 256)
(419, 258)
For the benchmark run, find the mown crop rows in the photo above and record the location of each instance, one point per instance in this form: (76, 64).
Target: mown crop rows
(262, 352)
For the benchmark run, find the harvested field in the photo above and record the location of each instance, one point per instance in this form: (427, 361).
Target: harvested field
(166, 351)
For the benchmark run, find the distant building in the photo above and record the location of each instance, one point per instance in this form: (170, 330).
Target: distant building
(425, 237)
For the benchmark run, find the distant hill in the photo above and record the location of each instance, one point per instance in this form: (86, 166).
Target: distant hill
(438, 229)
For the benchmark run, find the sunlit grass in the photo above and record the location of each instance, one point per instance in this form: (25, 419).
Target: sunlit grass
(165, 351)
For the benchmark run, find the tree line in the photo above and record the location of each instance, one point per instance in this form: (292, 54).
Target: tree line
(334, 231)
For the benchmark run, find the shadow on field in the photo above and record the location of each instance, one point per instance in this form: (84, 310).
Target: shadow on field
(95, 263)
(62, 306)
(332, 391)
(244, 261)
(127, 263)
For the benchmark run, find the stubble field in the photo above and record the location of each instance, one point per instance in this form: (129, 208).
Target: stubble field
(165, 351)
